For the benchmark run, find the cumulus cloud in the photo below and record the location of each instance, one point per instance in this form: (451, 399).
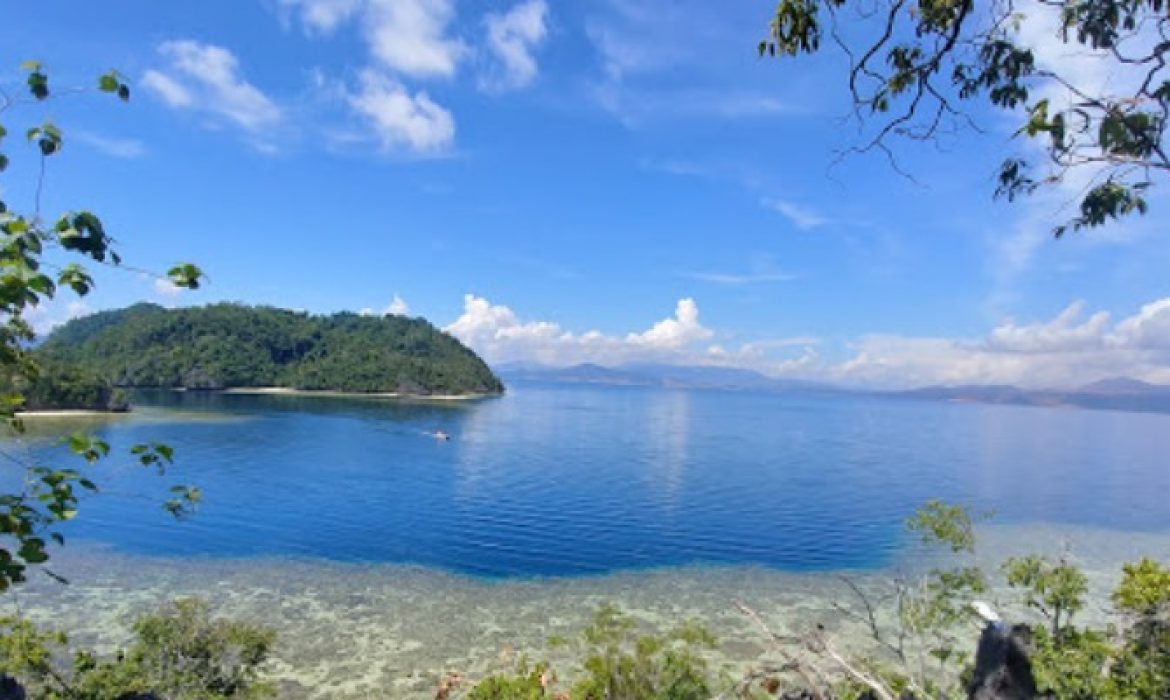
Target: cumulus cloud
(1062, 334)
(322, 16)
(1067, 351)
(399, 119)
(410, 36)
(674, 333)
(207, 77)
(498, 333)
(512, 37)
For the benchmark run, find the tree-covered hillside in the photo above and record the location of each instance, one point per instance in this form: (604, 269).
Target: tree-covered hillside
(231, 345)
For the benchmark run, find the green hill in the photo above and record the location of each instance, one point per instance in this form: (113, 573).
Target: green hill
(231, 345)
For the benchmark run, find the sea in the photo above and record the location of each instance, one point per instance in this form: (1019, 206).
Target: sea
(386, 557)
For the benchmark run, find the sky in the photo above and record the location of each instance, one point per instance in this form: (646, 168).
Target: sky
(615, 181)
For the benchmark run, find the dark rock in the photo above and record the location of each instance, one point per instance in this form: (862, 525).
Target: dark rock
(10, 689)
(1003, 665)
(199, 379)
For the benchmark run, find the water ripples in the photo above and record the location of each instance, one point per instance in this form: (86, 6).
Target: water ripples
(566, 481)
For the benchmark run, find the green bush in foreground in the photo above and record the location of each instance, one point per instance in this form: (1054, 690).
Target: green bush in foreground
(619, 661)
(179, 653)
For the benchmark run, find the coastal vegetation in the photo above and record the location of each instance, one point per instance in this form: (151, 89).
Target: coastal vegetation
(179, 652)
(231, 345)
(62, 386)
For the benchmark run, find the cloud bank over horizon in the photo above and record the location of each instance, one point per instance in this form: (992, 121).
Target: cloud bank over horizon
(1067, 351)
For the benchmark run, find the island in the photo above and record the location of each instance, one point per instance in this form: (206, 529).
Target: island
(237, 347)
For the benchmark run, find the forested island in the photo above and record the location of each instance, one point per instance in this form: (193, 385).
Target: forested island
(225, 346)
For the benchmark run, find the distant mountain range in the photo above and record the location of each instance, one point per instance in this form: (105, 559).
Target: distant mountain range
(653, 375)
(1120, 393)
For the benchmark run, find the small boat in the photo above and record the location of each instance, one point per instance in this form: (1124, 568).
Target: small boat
(441, 435)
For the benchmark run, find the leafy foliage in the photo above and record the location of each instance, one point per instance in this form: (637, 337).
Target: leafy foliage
(180, 652)
(230, 345)
(620, 663)
(37, 259)
(1056, 589)
(527, 683)
(920, 58)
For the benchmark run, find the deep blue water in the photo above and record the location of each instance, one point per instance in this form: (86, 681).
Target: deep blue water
(574, 480)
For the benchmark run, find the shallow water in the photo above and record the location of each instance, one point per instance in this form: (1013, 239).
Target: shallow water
(351, 630)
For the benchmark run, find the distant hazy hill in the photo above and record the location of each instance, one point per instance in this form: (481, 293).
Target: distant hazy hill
(653, 375)
(1119, 393)
(230, 345)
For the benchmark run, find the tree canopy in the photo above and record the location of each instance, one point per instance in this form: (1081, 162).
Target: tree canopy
(230, 345)
(914, 62)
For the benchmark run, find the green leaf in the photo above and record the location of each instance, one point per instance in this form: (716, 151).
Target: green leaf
(185, 275)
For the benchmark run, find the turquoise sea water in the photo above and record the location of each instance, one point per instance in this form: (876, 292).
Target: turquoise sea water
(556, 481)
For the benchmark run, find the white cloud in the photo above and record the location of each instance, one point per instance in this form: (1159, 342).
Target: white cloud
(1149, 328)
(1067, 351)
(410, 36)
(165, 288)
(323, 16)
(1061, 334)
(1061, 353)
(511, 39)
(801, 217)
(167, 88)
(401, 120)
(397, 306)
(207, 77)
(496, 332)
(674, 333)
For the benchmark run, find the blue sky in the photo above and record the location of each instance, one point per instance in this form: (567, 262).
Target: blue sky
(559, 182)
